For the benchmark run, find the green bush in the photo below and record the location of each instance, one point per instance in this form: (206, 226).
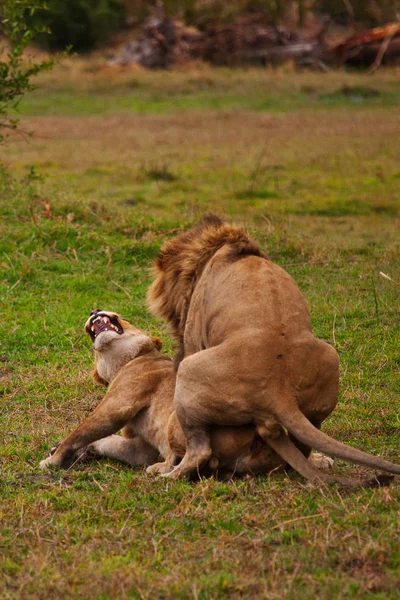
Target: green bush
(16, 71)
(202, 12)
(82, 24)
(375, 12)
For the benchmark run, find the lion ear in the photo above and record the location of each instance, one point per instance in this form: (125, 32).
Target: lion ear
(157, 342)
(99, 379)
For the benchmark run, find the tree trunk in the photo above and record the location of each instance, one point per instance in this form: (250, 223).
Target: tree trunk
(301, 10)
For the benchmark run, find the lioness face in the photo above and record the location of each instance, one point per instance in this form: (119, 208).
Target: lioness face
(104, 327)
(116, 342)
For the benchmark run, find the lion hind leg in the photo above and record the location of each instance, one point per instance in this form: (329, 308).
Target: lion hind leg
(133, 452)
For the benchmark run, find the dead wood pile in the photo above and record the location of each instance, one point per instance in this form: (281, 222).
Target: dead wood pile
(247, 37)
(161, 44)
(370, 48)
(252, 38)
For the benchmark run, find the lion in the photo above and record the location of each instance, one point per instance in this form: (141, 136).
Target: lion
(139, 401)
(247, 354)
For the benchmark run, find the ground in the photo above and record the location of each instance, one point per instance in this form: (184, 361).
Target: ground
(120, 162)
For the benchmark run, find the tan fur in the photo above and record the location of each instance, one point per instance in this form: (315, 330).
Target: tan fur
(99, 379)
(247, 353)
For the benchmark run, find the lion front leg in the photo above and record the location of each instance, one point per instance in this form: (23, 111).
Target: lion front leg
(162, 468)
(113, 412)
(198, 449)
(198, 452)
(206, 394)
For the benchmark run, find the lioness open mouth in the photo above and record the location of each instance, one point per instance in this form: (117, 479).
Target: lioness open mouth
(101, 321)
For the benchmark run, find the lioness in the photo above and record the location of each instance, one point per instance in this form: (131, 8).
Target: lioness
(140, 401)
(247, 352)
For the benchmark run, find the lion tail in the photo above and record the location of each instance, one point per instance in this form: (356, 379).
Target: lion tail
(284, 446)
(304, 431)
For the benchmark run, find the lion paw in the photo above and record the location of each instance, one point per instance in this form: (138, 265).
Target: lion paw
(45, 464)
(159, 469)
(321, 461)
(174, 473)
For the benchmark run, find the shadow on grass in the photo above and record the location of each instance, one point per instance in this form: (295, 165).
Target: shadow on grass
(254, 194)
(351, 208)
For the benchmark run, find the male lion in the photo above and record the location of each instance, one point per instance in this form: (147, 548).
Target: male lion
(247, 353)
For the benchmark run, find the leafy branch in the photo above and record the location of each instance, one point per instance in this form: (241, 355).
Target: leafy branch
(16, 70)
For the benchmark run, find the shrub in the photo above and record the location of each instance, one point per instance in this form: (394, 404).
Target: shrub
(15, 71)
(81, 24)
(373, 12)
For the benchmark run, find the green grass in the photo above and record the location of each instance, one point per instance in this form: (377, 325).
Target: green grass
(82, 88)
(85, 206)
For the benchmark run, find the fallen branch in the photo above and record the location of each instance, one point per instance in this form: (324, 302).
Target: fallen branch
(359, 46)
(382, 51)
(304, 51)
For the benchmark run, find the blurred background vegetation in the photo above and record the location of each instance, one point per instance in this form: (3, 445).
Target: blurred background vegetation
(87, 24)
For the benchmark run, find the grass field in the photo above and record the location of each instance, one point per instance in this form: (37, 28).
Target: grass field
(310, 164)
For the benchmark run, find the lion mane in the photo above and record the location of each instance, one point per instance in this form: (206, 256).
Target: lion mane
(180, 263)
